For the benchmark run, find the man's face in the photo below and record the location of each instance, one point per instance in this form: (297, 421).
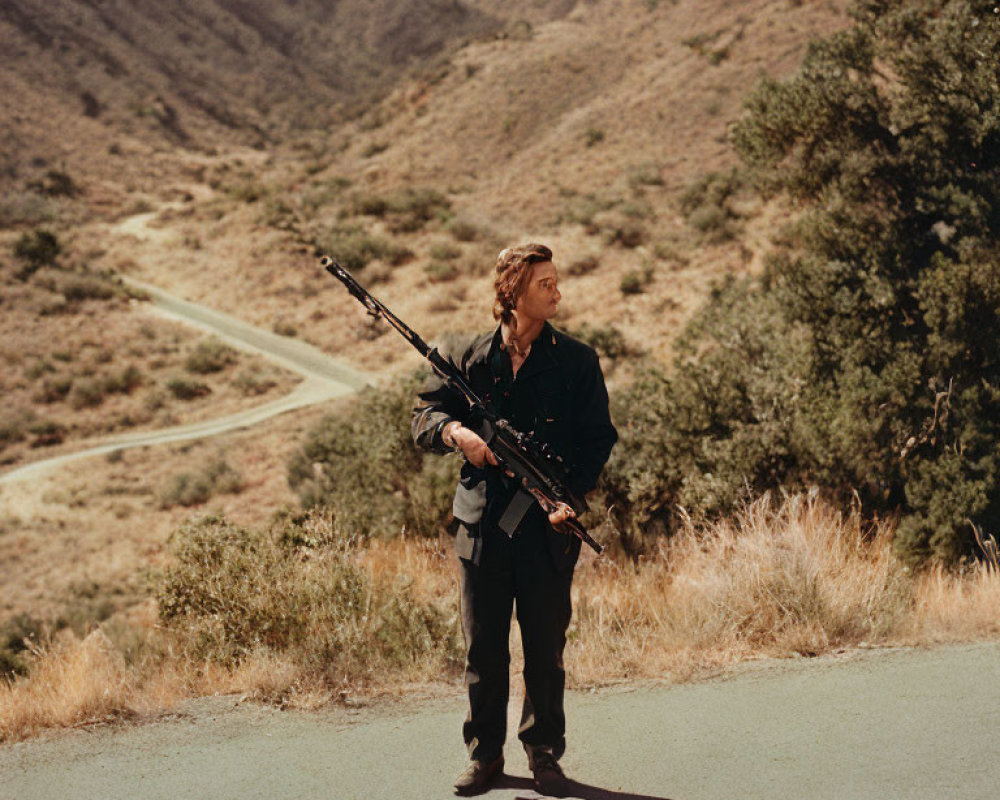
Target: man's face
(541, 295)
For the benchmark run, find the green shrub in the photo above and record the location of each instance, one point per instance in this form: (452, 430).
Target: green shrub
(254, 381)
(55, 184)
(186, 389)
(707, 204)
(87, 392)
(444, 251)
(37, 249)
(583, 266)
(77, 286)
(371, 205)
(296, 591)
(363, 465)
(14, 424)
(627, 232)
(593, 136)
(863, 359)
(607, 340)
(411, 210)
(354, 249)
(47, 433)
(194, 488)
(124, 382)
(635, 281)
(53, 389)
(17, 634)
(440, 273)
(464, 230)
(210, 355)
(283, 327)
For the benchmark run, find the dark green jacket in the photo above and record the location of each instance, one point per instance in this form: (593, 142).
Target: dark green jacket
(558, 394)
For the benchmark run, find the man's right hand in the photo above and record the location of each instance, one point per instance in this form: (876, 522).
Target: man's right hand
(470, 443)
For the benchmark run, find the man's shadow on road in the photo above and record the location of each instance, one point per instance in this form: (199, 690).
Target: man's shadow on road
(574, 790)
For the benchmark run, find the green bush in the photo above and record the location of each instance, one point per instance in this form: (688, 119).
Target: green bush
(593, 136)
(55, 184)
(363, 465)
(465, 230)
(354, 249)
(444, 251)
(627, 232)
(86, 393)
(411, 210)
(863, 360)
(76, 286)
(635, 281)
(53, 389)
(47, 433)
(607, 340)
(185, 389)
(254, 381)
(295, 590)
(124, 382)
(16, 635)
(441, 272)
(14, 423)
(707, 204)
(210, 355)
(37, 249)
(194, 488)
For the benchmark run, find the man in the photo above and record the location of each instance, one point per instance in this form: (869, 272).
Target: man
(510, 551)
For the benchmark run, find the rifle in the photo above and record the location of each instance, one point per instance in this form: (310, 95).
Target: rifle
(538, 471)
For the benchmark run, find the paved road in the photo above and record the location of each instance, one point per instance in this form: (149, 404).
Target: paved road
(899, 724)
(324, 379)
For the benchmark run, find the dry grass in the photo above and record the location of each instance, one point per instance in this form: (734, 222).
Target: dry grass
(796, 579)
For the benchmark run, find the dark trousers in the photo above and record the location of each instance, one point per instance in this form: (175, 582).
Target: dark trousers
(515, 573)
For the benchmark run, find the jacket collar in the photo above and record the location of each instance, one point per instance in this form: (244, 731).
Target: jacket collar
(541, 358)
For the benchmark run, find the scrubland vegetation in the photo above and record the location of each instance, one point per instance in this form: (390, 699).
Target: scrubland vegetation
(303, 613)
(815, 467)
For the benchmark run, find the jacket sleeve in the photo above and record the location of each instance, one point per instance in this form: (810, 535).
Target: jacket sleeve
(437, 405)
(594, 433)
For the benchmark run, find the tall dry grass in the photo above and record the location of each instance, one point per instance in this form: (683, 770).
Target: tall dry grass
(795, 578)
(799, 578)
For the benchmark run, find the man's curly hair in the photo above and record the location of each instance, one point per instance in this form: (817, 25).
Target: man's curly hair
(513, 271)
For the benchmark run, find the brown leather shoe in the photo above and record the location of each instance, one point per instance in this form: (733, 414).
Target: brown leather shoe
(549, 777)
(477, 777)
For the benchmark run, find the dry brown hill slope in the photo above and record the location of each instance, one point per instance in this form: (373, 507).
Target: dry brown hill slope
(583, 131)
(197, 73)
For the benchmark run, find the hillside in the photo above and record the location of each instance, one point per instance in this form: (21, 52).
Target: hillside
(92, 79)
(415, 137)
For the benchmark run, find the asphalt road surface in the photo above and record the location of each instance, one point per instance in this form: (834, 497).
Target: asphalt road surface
(872, 724)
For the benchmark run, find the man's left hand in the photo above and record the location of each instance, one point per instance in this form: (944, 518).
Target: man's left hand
(562, 513)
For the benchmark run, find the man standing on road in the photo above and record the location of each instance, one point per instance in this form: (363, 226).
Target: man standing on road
(511, 556)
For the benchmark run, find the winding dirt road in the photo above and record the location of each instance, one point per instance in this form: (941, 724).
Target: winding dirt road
(898, 724)
(324, 379)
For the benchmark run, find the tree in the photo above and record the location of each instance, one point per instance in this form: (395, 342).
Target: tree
(864, 360)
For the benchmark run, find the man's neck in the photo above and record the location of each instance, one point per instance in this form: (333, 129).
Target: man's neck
(527, 331)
